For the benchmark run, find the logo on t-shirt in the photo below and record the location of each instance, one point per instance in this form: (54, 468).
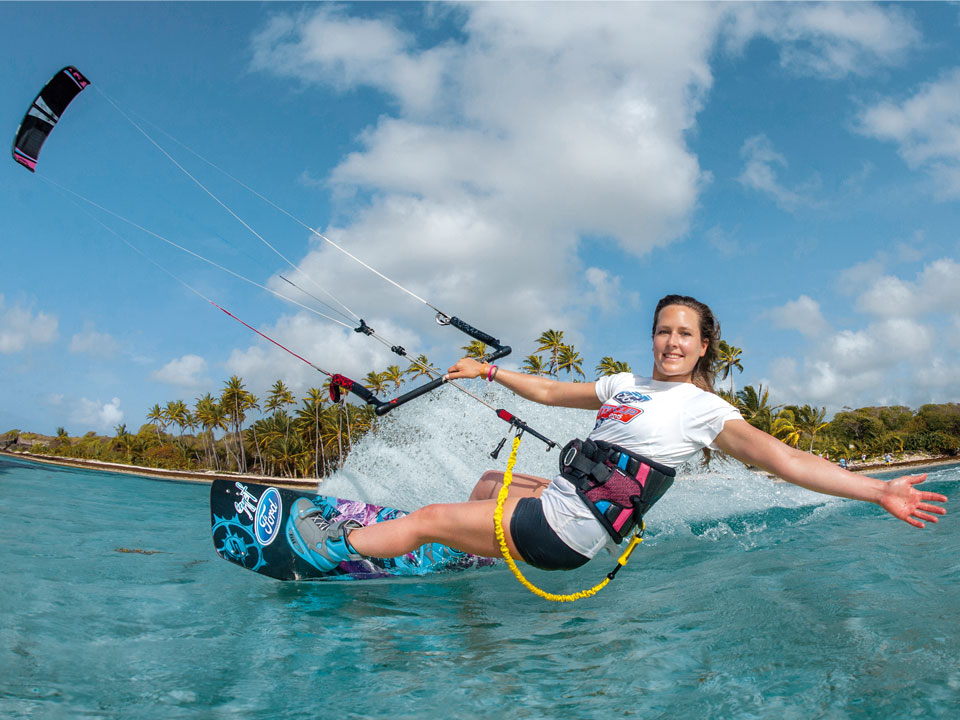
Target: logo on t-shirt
(629, 396)
(620, 413)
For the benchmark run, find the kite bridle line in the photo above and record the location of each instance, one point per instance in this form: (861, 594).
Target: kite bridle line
(441, 317)
(337, 381)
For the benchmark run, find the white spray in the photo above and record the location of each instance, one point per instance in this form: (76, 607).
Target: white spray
(435, 448)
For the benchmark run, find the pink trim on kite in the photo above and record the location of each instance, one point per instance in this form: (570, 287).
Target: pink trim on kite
(77, 77)
(642, 474)
(28, 162)
(621, 519)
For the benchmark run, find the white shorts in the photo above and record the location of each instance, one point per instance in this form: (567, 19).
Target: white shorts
(571, 519)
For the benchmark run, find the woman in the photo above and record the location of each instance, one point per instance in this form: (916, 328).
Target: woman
(668, 418)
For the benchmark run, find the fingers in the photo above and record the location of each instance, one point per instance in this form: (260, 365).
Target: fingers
(915, 479)
(925, 516)
(936, 497)
(932, 508)
(465, 368)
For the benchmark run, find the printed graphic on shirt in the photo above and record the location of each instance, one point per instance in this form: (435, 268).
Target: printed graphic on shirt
(630, 396)
(620, 413)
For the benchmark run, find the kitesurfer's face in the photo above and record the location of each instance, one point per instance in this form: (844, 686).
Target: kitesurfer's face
(677, 344)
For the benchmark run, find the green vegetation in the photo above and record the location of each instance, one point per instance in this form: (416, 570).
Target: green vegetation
(312, 437)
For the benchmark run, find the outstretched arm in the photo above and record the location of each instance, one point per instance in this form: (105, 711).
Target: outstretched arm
(898, 497)
(539, 389)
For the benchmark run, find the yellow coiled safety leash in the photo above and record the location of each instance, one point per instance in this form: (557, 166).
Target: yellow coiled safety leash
(498, 523)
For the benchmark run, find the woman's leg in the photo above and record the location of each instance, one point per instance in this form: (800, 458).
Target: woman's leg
(465, 526)
(489, 484)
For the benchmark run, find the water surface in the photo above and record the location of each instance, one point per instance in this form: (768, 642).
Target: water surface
(779, 604)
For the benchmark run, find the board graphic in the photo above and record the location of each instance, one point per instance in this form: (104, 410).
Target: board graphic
(251, 527)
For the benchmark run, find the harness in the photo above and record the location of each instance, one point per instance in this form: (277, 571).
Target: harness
(617, 485)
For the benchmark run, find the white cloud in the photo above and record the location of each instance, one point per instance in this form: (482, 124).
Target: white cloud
(21, 328)
(904, 354)
(186, 372)
(329, 46)
(553, 124)
(606, 292)
(332, 350)
(828, 39)
(760, 174)
(92, 414)
(538, 127)
(926, 126)
(723, 241)
(802, 314)
(936, 289)
(94, 343)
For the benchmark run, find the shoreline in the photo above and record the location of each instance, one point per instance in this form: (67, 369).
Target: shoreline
(906, 464)
(207, 476)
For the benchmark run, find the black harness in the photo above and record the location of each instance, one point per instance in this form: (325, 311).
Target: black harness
(617, 485)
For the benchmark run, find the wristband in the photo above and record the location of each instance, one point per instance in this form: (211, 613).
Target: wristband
(491, 373)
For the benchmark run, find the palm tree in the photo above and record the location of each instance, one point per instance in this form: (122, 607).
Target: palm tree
(157, 418)
(785, 428)
(253, 403)
(475, 349)
(810, 420)
(394, 374)
(126, 441)
(176, 413)
(212, 417)
(754, 405)
(278, 398)
(375, 382)
(236, 401)
(728, 358)
(570, 360)
(552, 342)
(609, 366)
(420, 366)
(308, 424)
(534, 365)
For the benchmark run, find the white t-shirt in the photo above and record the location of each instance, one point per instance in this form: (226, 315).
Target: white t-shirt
(669, 422)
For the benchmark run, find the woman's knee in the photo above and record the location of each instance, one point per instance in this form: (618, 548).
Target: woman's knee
(487, 486)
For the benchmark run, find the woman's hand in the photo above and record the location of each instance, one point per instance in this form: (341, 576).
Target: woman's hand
(902, 500)
(464, 369)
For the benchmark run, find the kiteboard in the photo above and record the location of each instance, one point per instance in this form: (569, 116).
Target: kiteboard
(252, 528)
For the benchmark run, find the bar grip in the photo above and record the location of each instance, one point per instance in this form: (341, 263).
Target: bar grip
(356, 388)
(384, 407)
(502, 352)
(474, 333)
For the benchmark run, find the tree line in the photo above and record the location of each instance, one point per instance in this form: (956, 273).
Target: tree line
(871, 432)
(282, 436)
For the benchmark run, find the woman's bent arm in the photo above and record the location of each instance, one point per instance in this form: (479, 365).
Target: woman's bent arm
(539, 389)
(898, 497)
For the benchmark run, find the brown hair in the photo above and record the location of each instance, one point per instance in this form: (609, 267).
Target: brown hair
(704, 372)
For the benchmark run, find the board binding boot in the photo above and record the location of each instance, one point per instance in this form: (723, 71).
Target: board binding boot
(320, 542)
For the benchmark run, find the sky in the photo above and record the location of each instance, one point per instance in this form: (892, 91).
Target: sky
(522, 166)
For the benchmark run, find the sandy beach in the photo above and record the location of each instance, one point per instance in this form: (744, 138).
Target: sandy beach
(160, 473)
(908, 464)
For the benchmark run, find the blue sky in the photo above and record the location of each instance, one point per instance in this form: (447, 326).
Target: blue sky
(522, 166)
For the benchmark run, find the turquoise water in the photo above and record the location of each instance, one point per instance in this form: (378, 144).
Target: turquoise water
(792, 609)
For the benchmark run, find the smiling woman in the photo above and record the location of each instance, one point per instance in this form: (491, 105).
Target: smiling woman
(685, 340)
(645, 428)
